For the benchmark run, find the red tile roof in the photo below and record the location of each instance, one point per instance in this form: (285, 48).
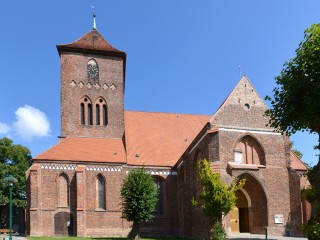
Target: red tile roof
(90, 41)
(296, 162)
(159, 139)
(86, 150)
(152, 139)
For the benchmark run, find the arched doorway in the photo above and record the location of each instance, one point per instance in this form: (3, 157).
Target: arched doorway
(251, 211)
(63, 224)
(239, 216)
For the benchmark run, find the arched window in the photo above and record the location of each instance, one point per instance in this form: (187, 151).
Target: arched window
(86, 111)
(97, 114)
(249, 151)
(101, 112)
(105, 115)
(93, 69)
(90, 121)
(159, 184)
(83, 114)
(101, 192)
(63, 190)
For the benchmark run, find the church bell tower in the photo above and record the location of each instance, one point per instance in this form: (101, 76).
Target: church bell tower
(92, 88)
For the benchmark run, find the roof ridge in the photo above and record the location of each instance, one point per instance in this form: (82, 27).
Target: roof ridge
(194, 114)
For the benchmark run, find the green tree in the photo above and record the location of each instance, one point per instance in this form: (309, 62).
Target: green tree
(217, 198)
(140, 197)
(296, 152)
(296, 104)
(15, 160)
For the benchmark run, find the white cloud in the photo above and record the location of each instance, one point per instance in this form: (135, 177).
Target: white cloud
(31, 122)
(4, 128)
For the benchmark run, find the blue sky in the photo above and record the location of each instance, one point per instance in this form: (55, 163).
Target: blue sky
(182, 56)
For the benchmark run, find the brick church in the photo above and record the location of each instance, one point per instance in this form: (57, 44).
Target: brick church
(74, 187)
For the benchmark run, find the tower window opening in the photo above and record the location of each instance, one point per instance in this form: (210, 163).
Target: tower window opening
(246, 107)
(101, 112)
(105, 115)
(98, 114)
(90, 122)
(83, 122)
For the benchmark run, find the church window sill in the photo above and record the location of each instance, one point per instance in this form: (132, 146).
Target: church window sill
(100, 210)
(63, 206)
(235, 166)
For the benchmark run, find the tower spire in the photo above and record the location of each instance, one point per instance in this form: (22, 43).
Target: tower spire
(94, 20)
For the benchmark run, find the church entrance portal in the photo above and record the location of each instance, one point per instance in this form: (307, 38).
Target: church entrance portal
(239, 216)
(250, 212)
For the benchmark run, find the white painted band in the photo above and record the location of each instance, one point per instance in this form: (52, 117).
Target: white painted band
(248, 131)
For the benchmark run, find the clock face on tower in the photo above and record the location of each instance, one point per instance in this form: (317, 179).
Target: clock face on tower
(92, 70)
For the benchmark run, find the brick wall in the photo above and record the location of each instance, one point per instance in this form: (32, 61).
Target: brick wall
(75, 85)
(86, 219)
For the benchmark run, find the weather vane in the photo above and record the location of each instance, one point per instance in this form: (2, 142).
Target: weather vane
(94, 19)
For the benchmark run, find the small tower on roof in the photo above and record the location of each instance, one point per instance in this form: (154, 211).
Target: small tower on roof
(92, 87)
(94, 27)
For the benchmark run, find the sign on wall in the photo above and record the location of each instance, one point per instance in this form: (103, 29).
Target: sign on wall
(278, 218)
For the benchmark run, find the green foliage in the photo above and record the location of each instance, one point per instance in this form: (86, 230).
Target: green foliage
(296, 103)
(140, 197)
(218, 232)
(216, 198)
(312, 230)
(296, 152)
(15, 160)
(102, 238)
(296, 106)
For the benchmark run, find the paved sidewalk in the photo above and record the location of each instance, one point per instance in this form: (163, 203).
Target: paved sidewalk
(14, 237)
(243, 236)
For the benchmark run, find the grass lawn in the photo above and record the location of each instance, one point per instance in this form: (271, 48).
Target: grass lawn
(103, 238)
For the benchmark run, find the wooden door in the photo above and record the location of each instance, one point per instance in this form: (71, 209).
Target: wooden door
(244, 219)
(63, 224)
(234, 220)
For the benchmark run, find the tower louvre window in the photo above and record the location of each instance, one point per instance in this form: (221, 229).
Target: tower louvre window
(101, 112)
(105, 115)
(90, 121)
(97, 114)
(86, 113)
(83, 122)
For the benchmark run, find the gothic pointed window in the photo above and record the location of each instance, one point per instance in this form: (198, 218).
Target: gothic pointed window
(93, 69)
(105, 115)
(249, 151)
(90, 121)
(86, 114)
(82, 114)
(101, 193)
(97, 114)
(159, 184)
(63, 190)
(101, 112)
